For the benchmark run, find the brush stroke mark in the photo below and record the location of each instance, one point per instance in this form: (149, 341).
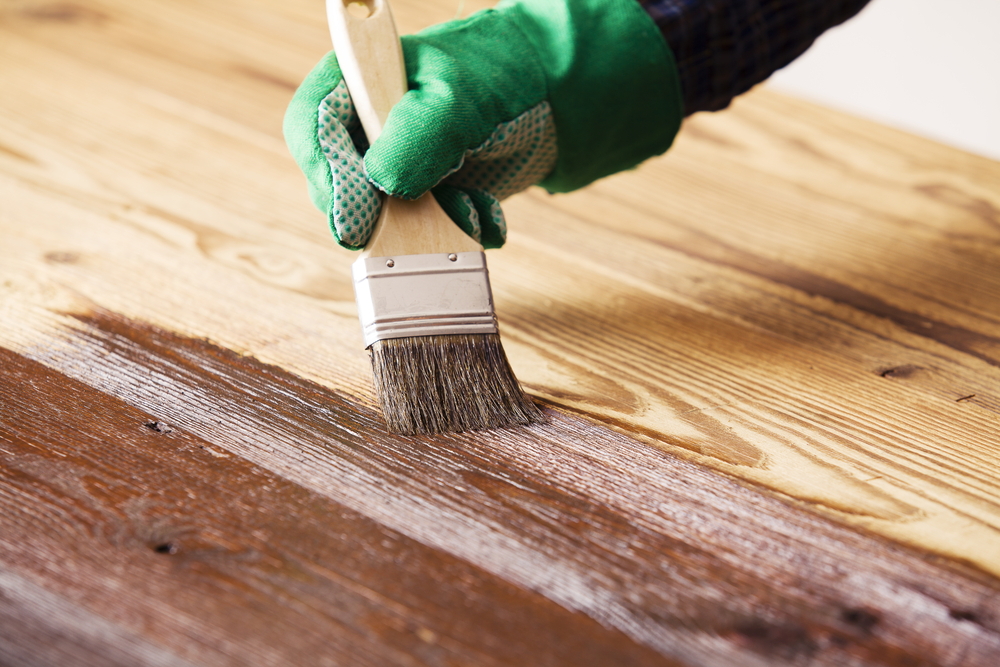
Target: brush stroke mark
(129, 513)
(679, 559)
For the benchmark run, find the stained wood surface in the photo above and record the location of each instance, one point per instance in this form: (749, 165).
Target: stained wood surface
(771, 359)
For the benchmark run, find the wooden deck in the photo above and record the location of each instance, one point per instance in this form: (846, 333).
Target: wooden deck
(771, 359)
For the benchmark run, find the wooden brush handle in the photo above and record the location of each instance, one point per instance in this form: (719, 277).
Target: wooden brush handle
(371, 59)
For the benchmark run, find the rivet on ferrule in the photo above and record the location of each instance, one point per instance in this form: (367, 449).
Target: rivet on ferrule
(423, 295)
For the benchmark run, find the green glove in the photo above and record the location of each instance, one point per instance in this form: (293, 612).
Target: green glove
(555, 92)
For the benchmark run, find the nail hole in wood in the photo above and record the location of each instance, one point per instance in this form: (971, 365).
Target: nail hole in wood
(167, 548)
(860, 618)
(963, 615)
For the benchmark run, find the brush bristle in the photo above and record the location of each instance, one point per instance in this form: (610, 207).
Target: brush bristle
(458, 382)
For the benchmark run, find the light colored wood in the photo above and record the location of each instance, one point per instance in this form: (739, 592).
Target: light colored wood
(802, 301)
(371, 57)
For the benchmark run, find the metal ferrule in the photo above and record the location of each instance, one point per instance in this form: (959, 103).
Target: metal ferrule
(423, 295)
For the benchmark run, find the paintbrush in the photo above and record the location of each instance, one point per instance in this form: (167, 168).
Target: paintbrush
(421, 284)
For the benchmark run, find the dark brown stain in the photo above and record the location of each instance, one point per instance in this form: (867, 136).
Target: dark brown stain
(648, 553)
(792, 643)
(182, 530)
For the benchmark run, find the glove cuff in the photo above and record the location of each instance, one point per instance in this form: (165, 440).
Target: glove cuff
(612, 82)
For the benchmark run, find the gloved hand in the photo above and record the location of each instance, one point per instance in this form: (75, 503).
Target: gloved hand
(556, 92)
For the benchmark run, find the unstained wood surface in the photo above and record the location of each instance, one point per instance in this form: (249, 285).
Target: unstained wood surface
(771, 360)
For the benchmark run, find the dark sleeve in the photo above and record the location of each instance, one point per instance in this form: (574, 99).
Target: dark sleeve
(725, 47)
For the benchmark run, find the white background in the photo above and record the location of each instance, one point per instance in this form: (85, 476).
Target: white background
(931, 67)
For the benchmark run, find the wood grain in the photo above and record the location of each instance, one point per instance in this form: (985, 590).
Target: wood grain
(276, 515)
(771, 357)
(171, 540)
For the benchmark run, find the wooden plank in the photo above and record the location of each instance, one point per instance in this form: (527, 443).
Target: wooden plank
(685, 274)
(236, 514)
(171, 540)
(802, 301)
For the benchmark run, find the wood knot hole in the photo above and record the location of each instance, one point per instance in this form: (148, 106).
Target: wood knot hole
(963, 615)
(899, 372)
(159, 427)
